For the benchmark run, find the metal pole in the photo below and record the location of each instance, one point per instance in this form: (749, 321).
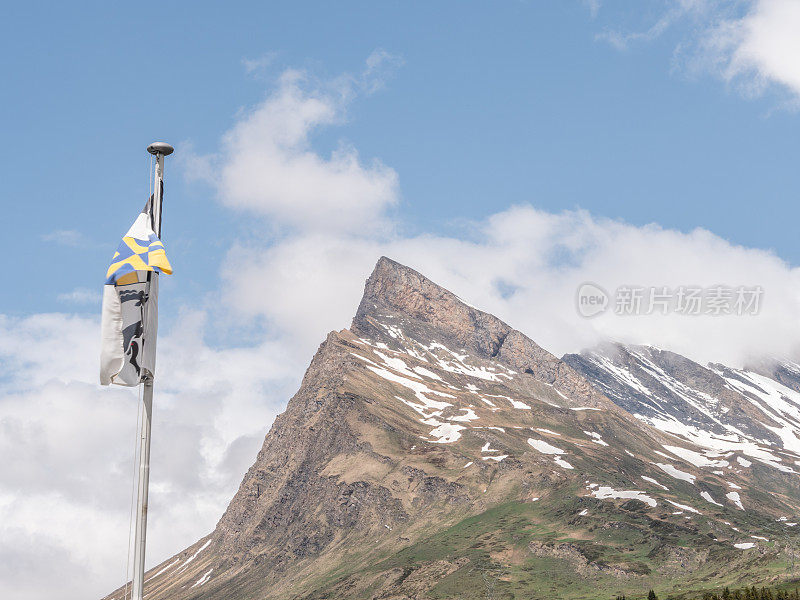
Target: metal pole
(160, 150)
(141, 496)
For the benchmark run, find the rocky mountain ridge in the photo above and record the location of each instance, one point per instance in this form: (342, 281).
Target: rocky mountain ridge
(726, 411)
(433, 451)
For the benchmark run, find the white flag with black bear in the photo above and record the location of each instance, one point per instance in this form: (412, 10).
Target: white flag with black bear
(130, 304)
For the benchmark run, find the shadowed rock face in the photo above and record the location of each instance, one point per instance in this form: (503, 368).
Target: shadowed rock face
(413, 431)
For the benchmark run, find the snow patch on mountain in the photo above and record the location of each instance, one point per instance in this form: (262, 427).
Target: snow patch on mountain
(654, 482)
(495, 458)
(707, 497)
(684, 507)
(469, 415)
(206, 576)
(487, 448)
(544, 447)
(734, 497)
(446, 433)
(596, 437)
(676, 473)
(455, 363)
(606, 492)
(695, 458)
(193, 556)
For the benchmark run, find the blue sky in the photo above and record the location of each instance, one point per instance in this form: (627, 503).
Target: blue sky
(517, 103)
(511, 151)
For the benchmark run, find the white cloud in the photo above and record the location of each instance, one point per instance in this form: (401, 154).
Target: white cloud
(526, 268)
(750, 44)
(757, 50)
(593, 6)
(81, 296)
(45, 347)
(65, 237)
(378, 66)
(621, 41)
(257, 65)
(267, 165)
(701, 12)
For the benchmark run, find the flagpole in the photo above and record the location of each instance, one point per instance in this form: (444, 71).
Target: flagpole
(159, 150)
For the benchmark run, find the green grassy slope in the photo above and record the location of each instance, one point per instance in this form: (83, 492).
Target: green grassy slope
(535, 550)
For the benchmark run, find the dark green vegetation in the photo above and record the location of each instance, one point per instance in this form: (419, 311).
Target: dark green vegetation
(781, 592)
(753, 593)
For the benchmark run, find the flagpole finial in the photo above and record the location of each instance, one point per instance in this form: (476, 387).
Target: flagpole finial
(161, 148)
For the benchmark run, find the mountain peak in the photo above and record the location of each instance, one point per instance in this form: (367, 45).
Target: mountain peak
(402, 288)
(396, 291)
(397, 294)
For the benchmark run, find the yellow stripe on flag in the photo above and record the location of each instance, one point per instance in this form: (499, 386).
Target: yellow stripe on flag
(133, 245)
(135, 261)
(128, 278)
(158, 258)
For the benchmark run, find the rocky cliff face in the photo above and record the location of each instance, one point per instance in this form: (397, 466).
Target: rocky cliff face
(433, 451)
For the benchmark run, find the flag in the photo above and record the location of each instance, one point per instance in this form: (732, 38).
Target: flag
(130, 304)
